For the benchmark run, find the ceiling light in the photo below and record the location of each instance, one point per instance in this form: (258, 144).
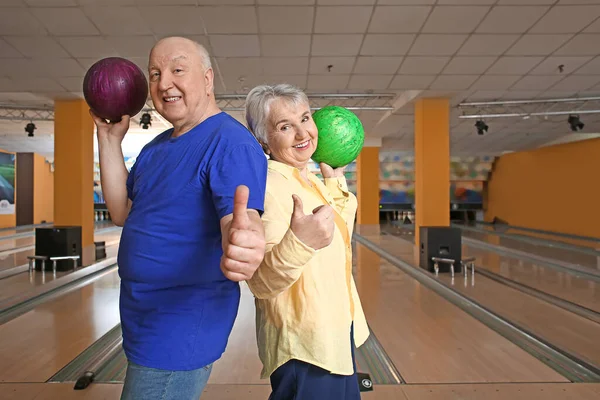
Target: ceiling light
(481, 127)
(575, 123)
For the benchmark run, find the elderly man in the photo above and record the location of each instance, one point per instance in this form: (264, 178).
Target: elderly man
(190, 208)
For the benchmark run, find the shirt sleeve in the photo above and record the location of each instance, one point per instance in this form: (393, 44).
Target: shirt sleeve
(345, 201)
(285, 254)
(243, 165)
(130, 181)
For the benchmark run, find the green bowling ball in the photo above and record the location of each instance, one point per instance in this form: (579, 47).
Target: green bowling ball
(341, 136)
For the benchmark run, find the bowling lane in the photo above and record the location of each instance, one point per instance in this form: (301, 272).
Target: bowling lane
(537, 275)
(552, 238)
(429, 339)
(37, 344)
(580, 291)
(564, 329)
(14, 252)
(568, 331)
(21, 283)
(20, 230)
(588, 258)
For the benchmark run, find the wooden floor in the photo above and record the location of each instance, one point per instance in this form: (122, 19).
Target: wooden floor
(569, 331)
(566, 286)
(23, 282)
(574, 256)
(63, 391)
(440, 351)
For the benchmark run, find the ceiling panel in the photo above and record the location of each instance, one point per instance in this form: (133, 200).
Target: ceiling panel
(437, 45)
(538, 45)
(453, 82)
(231, 20)
(468, 65)
(514, 65)
(567, 19)
(33, 47)
(118, 20)
(406, 19)
(88, 47)
(411, 82)
(577, 82)
(386, 45)
(288, 65)
(591, 68)
(377, 65)
(54, 21)
(423, 65)
(336, 45)
(342, 19)
(487, 45)
(511, 19)
(286, 20)
(455, 19)
(339, 65)
(132, 46)
(320, 83)
(536, 82)
(369, 82)
(284, 45)
(580, 45)
(346, 2)
(551, 65)
(235, 45)
(173, 20)
(20, 21)
(463, 49)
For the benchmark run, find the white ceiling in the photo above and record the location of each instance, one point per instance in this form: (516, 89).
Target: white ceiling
(471, 50)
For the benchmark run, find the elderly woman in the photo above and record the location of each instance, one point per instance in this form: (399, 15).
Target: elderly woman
(309, 315)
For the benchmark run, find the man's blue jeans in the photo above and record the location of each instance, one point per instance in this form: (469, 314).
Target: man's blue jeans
(142, 383)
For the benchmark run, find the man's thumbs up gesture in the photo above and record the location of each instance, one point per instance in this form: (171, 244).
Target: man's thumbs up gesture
(244, 241)
(314, 230)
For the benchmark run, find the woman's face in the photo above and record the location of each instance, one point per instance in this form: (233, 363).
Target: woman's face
(292, 133)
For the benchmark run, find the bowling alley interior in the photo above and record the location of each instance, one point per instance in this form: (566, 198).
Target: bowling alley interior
(476, 241)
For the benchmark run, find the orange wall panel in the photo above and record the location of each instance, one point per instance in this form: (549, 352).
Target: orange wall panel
(43, 191)
(553, 188)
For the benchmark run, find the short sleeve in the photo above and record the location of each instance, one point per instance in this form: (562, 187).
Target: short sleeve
(245, 164)
(130, 181)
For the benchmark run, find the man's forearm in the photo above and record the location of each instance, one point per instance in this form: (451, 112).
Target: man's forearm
(113, 175)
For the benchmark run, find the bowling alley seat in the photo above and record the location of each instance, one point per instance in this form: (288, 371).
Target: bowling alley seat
(33, 259)
(43, 259)
(55, 259)
(465, 263)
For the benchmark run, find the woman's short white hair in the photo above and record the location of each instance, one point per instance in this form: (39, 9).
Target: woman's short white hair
(258, 105)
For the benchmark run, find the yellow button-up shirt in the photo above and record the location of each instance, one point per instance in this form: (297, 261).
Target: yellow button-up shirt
(306, 300)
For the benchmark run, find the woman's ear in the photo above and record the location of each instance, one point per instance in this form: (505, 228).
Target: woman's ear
(265, 148)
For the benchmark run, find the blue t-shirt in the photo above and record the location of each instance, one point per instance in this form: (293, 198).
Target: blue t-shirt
(177, 307)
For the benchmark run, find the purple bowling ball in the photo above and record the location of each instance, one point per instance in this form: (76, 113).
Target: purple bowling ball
(114, 87)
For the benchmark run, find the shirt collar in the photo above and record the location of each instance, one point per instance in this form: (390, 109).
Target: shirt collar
(283, 169)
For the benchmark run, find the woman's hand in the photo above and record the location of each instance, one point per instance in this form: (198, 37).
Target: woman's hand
(329, 172)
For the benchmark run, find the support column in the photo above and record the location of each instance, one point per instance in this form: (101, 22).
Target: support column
(367, 184)
(74, 171)
(432, 163)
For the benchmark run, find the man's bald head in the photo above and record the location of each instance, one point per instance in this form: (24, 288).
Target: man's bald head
(185, 44)
(181, 82)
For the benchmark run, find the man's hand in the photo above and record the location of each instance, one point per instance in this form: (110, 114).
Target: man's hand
(314, 230)
(111, 131)
(244, 241)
